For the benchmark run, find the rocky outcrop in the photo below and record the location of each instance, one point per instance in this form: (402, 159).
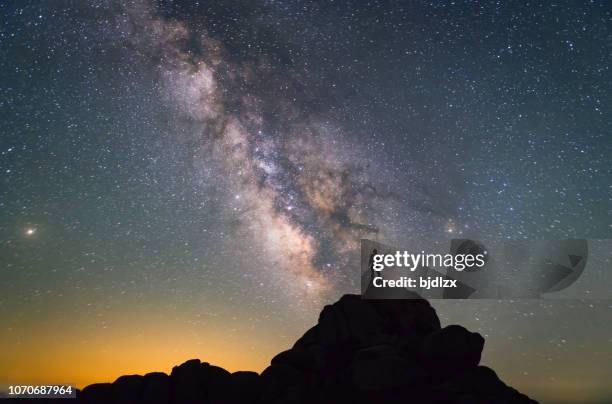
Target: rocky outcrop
(391, 351)
(360, 351)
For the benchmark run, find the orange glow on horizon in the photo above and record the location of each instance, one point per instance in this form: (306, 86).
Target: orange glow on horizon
(49, 355)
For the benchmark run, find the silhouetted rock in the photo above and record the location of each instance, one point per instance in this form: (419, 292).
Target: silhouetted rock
(199, 382)
(157, 388)
(127, 389)
(481, 385)
(99, 393)
(451, 350)
(360, 351)
(384, 367)
(358, 322)
(245, 387)
(284, 384)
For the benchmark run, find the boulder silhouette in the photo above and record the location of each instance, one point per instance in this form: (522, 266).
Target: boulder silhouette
(157, 388)
(360, 351)
(451, 350)
(245, 387)
(98, 393)
(127, 389)
(199, 382)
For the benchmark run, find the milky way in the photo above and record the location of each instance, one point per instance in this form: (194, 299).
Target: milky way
(291, 186)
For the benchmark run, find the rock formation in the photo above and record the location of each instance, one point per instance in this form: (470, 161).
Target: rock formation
(360, 351)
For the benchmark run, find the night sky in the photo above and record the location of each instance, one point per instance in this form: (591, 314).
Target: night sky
(192, 180)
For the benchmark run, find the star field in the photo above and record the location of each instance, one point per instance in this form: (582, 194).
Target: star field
(193, 178)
